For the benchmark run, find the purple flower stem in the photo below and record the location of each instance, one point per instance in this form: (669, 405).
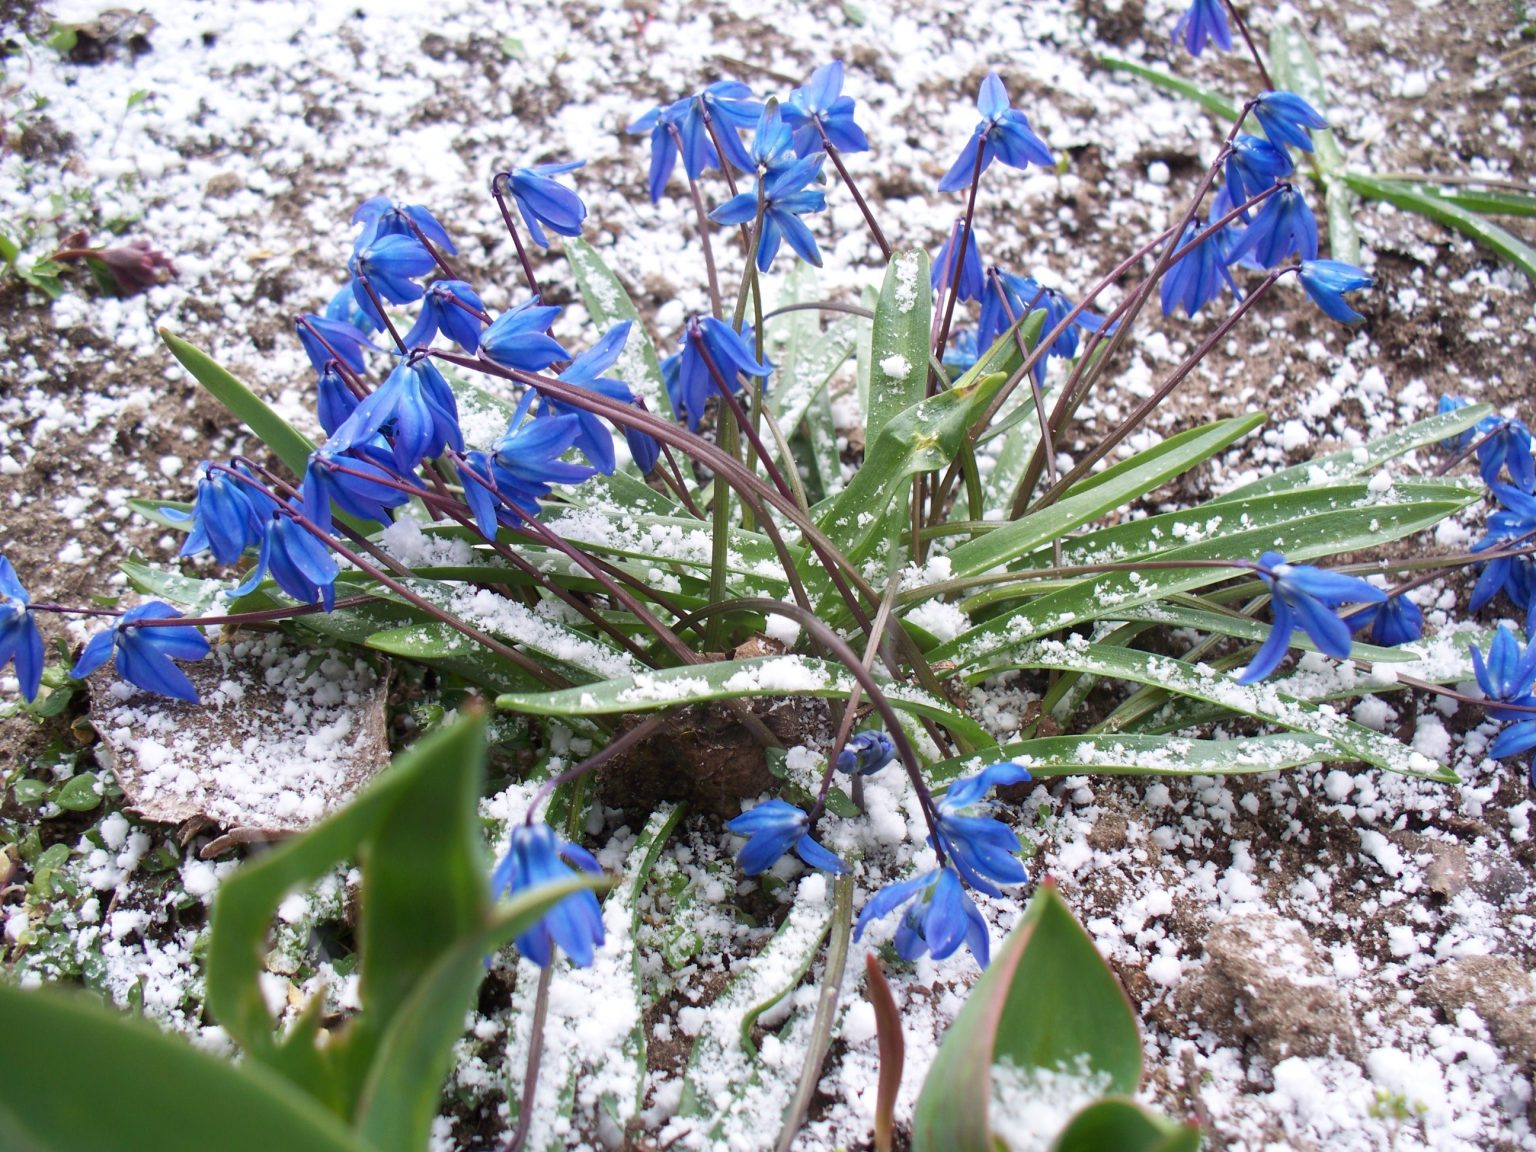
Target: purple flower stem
(354, 385)
(378, 305)
(837, 162)
(740, 416)
(1242, 27)
(442, 264)
(704, 241)
(517, 240)
(954, 277)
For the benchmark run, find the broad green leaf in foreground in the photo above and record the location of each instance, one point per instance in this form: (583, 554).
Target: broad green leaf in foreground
(1046, 1004)
(79, 1076)
(1124, 1126)
(899, 349)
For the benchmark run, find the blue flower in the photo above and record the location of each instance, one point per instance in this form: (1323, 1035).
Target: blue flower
(359, 487)
(961, 353)
(335, 399)
(1197, 277)
(536, 856)
(227, 516)
(971, 282)
(344, 307)
(1253, 165)
(301, 565)
(820, 101)
(326, 340)
(866, 753)
(414, 407)
(1515, 523)
(19, 638)
(1003, 133)
(1396, 620)
(145, 656)
(772, 829)
(1008, 297)
(389, 265)
(1302, 597)
(595, 441)
(659, 122)
(380, 216)
(706, 339)
(453, 308)
(785, 198)
(1507, 676)
(1505, 443)
(982, 849)
(519, 338)
(1326, 281)
(542, 200)
(1284, 227)
(728, 105)
(1205, 22)
(1286, 119)
(939, 917)
(1454, 404)
(773, 145)
(526, 458)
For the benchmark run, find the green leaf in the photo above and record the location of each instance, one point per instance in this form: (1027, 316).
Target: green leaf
(921, 438)
(1097, 495)
(1306, 524)
(437, 781)
(1295, 69)
(155, 512)
(1213, 102)
(1123, 754)
(1359, 461)
(1047, 1002)
(1124, 1126)
(731, 680)
(899, 347)
(1263, 701)
(608, 302)
(271, 429)
(1441, 210)
(403, 1092)
(79, 1076)
(1483, 201)
(80, 793)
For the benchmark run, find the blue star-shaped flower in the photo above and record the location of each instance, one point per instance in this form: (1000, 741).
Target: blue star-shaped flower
(1287, 119)
(820, 101)
(1514, 523)
(19, 638)
(1284, 227)
(1505, 443)
(519, 338)
(453, 308)
(1396, 620)
(982, 849)
(525, 460)
(227, 516)
(414, 407)
(1196, 278)
(325, 340)
(706, 339)
(536, 856)
(1254, 164)
(296, 560)
(381, 216)
(543, 200)
(1003, 134)
(970, 283)
(146, 656)
(866, 753)
(785, 199)
(772, 829)
(939, 917)
(1204, 23)
(1303, 597)
(1326, 281)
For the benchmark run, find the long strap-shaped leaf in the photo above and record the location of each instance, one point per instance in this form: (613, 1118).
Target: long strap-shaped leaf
(1261, 701)
(732, 680)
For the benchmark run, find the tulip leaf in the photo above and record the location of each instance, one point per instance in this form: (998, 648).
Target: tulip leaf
(142, 1088)
(1084, 1024)
(1124, 1126)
